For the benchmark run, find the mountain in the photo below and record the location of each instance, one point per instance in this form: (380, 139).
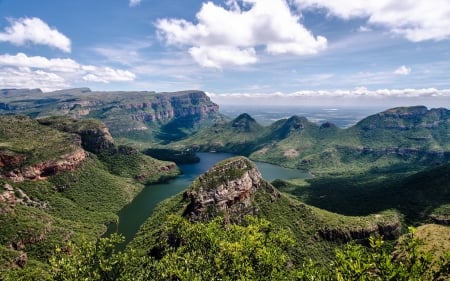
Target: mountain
(398, 138)
(63, 179)
(139, 116)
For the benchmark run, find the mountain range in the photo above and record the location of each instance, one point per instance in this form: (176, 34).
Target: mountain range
(71, 159)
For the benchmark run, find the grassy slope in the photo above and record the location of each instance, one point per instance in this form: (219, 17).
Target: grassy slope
(69, 205)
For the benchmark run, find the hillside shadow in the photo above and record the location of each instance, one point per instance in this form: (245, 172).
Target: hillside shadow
(416, 196)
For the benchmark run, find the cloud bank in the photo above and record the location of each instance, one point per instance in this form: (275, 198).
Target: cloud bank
(356, 97)
(230, 35)
(20, 70)
(34, 30)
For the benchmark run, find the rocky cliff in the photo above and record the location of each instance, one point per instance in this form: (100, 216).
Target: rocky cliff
(228, 189)
(20, 171)
(123, 112)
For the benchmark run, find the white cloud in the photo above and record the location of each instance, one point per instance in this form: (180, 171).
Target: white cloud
(222, 55)
(416, 20)
(222, 33)
(403, 70)
(22, 71)
(134, 3)
(107, 74)
(36, 31)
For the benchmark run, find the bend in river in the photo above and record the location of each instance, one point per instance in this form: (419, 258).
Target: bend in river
(132, 216)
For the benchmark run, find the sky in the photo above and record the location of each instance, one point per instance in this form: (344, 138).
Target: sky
(271, 51)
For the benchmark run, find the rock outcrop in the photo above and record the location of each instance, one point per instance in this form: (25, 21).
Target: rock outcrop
(228, 189)
(388, 229)
(42, 170)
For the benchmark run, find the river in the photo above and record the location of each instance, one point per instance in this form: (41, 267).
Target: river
(133, 215)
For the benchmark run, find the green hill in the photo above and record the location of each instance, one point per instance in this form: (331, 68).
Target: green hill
(63, 179)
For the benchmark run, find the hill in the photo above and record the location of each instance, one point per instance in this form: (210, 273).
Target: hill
(63, 179)
(405, 138)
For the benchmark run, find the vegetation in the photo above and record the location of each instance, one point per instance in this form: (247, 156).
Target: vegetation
(69, 205)
(177, 156)
(366, 182)
(399, 139)
(217, 251)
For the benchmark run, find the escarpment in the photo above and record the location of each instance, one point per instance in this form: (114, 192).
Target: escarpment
(123, 112)
(228, 189)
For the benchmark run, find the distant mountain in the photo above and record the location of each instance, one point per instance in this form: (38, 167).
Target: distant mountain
(396, 137)
(161, 117)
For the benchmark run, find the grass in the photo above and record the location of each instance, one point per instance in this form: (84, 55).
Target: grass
(22, 136)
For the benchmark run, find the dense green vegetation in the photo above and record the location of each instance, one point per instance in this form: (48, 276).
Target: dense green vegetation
(255, 250)
(71, 203)
(368, 179)
(177, 156)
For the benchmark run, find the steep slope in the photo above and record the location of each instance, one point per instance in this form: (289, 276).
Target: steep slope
(234, 188)
(60, 180)
(160, 117)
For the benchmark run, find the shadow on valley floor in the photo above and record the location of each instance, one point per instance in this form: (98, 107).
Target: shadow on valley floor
(420, 197)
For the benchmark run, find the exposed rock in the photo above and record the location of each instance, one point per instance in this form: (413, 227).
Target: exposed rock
(67, 162)
(228, 190)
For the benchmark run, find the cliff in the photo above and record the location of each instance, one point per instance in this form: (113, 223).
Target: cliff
(17, 171)
(228, 189)
(131, 114)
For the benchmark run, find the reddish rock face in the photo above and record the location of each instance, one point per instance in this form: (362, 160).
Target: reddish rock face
(68, 162)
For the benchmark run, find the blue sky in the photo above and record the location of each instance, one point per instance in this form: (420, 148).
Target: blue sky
(315, 49)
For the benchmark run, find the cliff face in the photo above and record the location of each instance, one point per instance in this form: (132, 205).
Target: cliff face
(228, 190)
(67, 162)
(165, 107)
(122, 112)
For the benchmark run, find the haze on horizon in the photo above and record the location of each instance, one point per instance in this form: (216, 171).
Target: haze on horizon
(278, 52)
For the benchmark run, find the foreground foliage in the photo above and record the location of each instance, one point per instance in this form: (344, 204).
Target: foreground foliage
(217, 251)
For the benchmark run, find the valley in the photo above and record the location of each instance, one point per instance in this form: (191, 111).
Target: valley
(73, 162)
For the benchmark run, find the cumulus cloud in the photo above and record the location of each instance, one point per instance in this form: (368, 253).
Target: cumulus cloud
(403, 70)
(35, 31)
(21, 71)
(416, 20)
(134, 3)
(230, 35)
